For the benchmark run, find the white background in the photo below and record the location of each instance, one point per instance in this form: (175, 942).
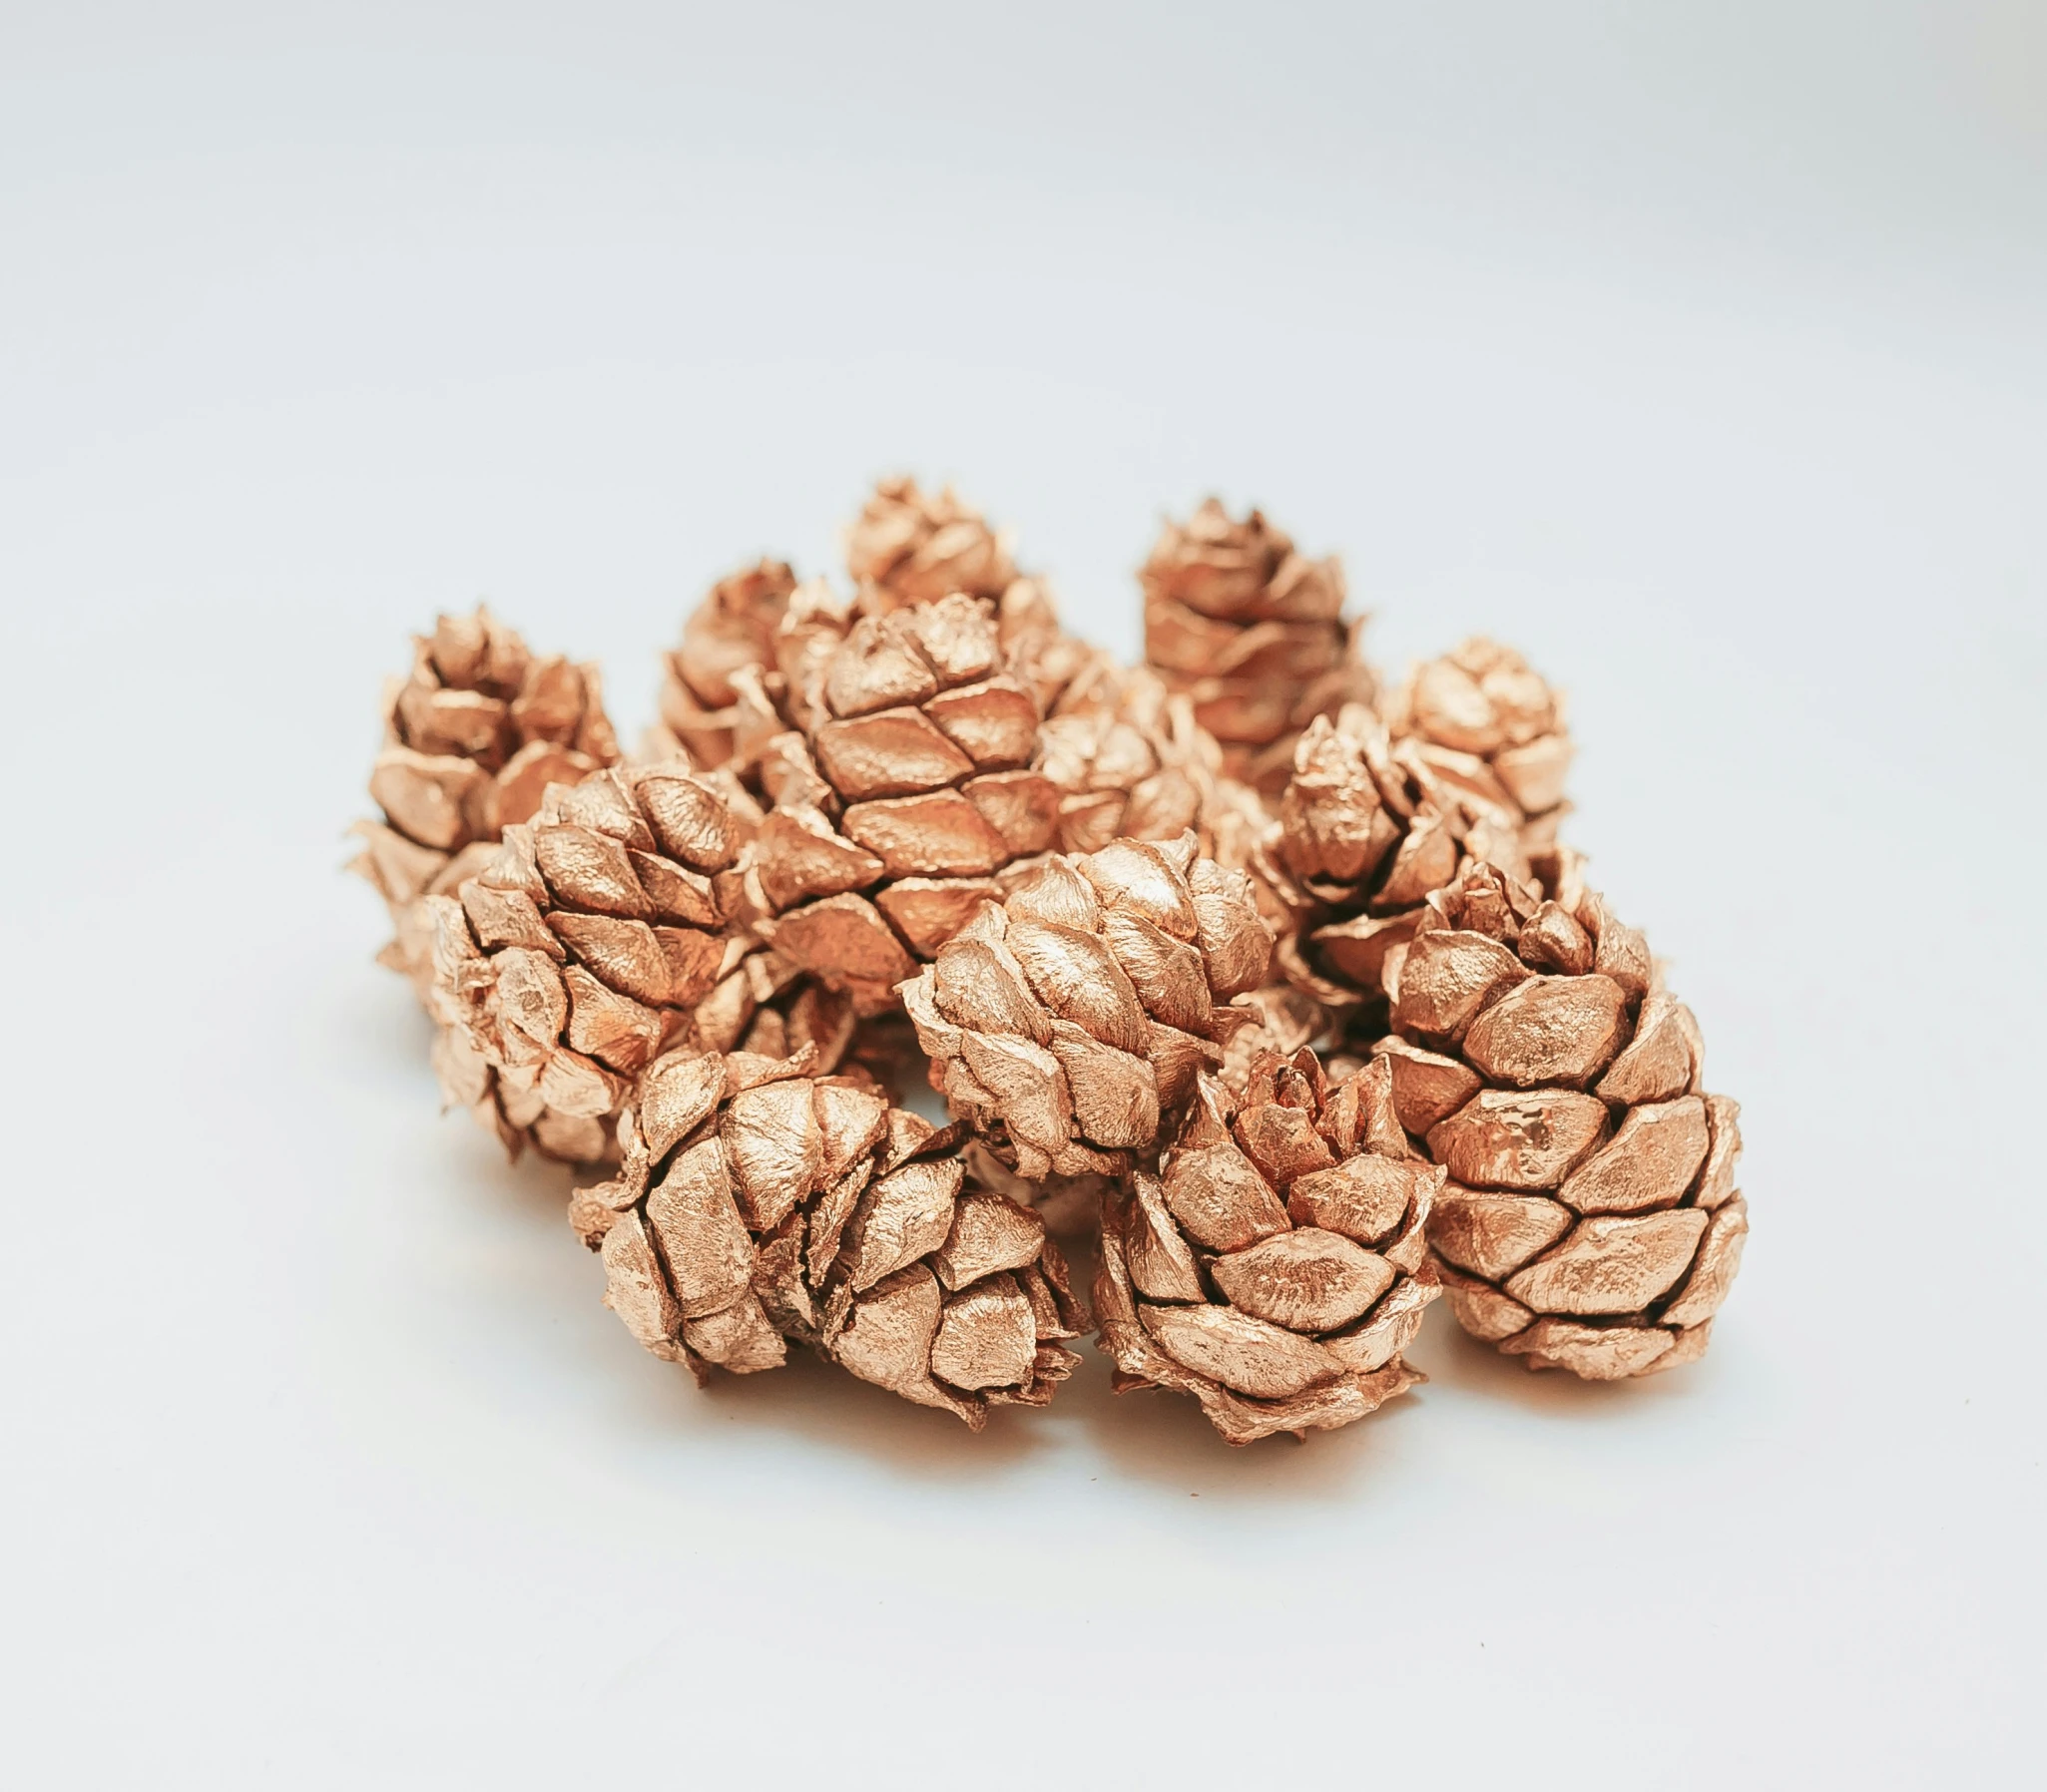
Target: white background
(1698, 349)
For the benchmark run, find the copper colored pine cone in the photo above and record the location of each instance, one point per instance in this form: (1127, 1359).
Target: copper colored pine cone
(472, 736)
(598, 935)
(1130, 764)
(1591, 1221)
(1487, 725)
(919, 546)
(1253, 632)
(1062, 1021)
(909, 788)
(1277, 1265)
(731, 632)
(1364, 832)
(758, 1204)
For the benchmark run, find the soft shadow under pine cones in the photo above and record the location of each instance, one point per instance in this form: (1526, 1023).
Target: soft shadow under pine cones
(921, 945)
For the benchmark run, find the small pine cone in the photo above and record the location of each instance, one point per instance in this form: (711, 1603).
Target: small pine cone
(731, 630)
(908, 789)
(1486, 725)
(917, 547)
(472, 737)
(1254, 633)
(1131, 764)
(599, 935)
(1278, 1264)
(1068, 676)
(1592, 1222)
(1063, 1021)
(759, 1203)
(1364, 835)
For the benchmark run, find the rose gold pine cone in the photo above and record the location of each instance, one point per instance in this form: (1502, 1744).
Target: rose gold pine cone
(1130, 764)
(758, 1204)
(1592, 1222)
(1365, 830)
(1253, 632)
(918, 547)
(1278, 1264)
(907, 789)
(1484, 722)
(731, 632)
(598, 935)
(1063, 1021)
(473, 735)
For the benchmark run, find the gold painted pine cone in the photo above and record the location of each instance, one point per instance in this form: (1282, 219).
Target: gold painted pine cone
(1063, 1021)
(908, 789)
(1131, 762)
(1365, 832)
(473, 735)
(1278, 1264)
(1591, 1221)
(1253, 632)
(919, 546)
(1487, 725)
(598, 935)
(758, 1205)
(731, 632)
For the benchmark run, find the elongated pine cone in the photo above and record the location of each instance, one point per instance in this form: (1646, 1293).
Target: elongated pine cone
(909, 786)
(1253, 632)
(596, 936)
(731, 632)
(1484, 722)
(918, 547)
(1591, 1221)
(473, 735)
(1278, 1264)
(1063, 1019)
(758, 1204)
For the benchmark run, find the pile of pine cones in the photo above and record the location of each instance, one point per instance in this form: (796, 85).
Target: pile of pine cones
(1277, 986)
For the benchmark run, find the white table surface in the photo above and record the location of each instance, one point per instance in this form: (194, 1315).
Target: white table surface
(1701, 355)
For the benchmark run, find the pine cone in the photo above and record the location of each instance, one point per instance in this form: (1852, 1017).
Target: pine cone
(1592, 1222)
(1484, 724)
(1364, 833)
(731, 630)
(918, 547)
(599, 935)
(1278, 1264)
(759, 1204)
(1254, 633)
(1062, 1021)
(1130, 764)
(472, 737)
(908, 789)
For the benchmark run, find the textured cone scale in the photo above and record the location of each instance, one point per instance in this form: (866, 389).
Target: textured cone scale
(758, 1204)
(1591, 1220)
(908, 787)
(1484, 724)
(918, 547)
(1063, 1021)
(1278, 1264)
(730, 632)
(1253, 632)
(472, 736)
(598, 936)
